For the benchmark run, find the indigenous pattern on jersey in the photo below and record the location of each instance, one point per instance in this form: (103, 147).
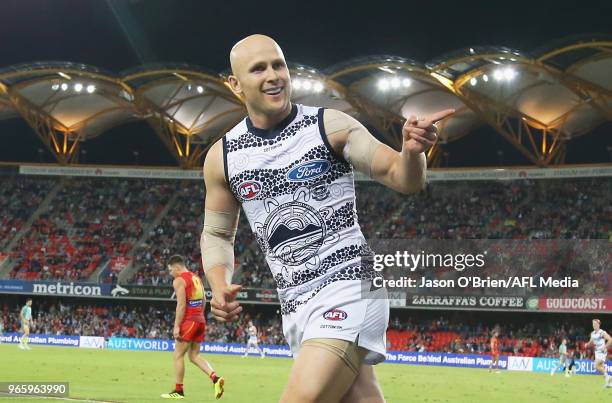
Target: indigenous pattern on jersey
(194, 292)
(597, 337)
(252, 332)
(299, 199)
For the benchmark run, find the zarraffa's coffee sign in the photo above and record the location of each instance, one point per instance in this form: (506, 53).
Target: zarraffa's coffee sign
(466, 302)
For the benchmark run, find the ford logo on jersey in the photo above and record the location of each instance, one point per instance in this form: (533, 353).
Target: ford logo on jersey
(335, 314)
(249, 190)
(308, 170)
(195, 303)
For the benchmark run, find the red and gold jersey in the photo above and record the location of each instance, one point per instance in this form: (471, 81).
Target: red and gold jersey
(194, 293)
(494, 344)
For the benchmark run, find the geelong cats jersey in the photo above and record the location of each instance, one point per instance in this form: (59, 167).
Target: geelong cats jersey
(299, 199)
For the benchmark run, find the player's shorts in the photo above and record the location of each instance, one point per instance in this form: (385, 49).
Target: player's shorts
(25, 328)
(341, 311)
(495, 355)
(601, 356)
(191, 331)
(252, 342)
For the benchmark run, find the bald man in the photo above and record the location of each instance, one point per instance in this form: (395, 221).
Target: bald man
(290, 167)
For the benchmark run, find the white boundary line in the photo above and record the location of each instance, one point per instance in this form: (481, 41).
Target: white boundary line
(71, 399)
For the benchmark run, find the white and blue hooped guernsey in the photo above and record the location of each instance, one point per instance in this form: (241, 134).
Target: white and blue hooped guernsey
(299, 198)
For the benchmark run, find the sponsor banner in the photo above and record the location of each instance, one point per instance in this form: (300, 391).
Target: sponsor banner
(42, 339)
(105, 172)
(528, 364)
(467, 302)
(124, 343)
(584, 367)
(444, 359)
(271, 350)
(510, 173)
(166, 292)
(576, 304)
(520, 363)
(263, 295)
(55, 288)
(70, 289)
(15, 286)
(397, 299)
(311, 169)
(120, 343)
(91, 342)
(142, 291)
(513, 174)
(161, 292)
(119, 263)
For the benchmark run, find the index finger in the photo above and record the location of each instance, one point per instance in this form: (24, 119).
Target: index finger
(438, 116)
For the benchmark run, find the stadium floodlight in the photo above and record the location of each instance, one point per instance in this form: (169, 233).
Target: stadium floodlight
(188, 87)
(473, 81)
(383, 84)
(509, 73)
(307, 84)
(318, 86)
(406, 82)
(485, 78)
(200, 89)
(91, 88)
(472, 51)
(297, 84)
(64, 86)
(55, 87)
(498, 75)
(78, 87)
(395, 82)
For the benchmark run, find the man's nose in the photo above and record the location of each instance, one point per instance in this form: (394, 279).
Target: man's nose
(272, 74)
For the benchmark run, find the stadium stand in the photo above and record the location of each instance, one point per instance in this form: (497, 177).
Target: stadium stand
(92, 220)
(87, 222)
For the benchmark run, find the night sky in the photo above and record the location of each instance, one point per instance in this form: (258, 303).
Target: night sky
(117, 35)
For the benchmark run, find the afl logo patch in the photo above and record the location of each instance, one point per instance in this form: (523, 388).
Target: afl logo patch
(335, 314)
(308, 170)
(249, 190)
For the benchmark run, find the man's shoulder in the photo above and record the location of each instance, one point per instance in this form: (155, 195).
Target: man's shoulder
(238, 129)
(178, 281)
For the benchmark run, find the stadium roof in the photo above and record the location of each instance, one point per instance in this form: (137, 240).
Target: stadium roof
(536, 101)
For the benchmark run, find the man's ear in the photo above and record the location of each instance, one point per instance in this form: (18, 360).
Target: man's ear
(234, 84)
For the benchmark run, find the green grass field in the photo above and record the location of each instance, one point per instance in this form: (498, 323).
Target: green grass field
(135, 376)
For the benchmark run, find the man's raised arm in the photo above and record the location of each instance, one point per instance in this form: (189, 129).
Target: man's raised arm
(221, 213)
(403, 171)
